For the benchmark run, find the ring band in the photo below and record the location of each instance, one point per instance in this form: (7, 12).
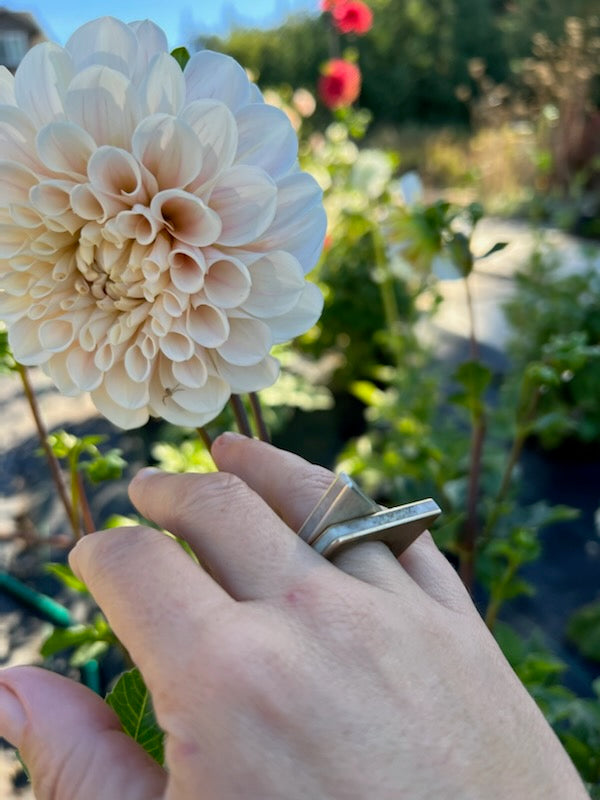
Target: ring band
(345, 516)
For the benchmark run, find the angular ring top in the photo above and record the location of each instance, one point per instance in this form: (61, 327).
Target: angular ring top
(345, 516)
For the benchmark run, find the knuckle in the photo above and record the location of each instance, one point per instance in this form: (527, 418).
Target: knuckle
(99, 554)
(215, 492)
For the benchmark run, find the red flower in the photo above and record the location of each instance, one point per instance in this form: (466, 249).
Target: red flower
(351, 16)
(339, 85)
(329, 5)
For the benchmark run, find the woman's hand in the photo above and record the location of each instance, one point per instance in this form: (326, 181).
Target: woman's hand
(276, 674)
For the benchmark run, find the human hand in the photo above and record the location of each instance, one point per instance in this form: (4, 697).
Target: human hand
(279, 675)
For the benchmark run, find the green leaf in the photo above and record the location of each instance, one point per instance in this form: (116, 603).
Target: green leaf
(494, 249)
(131, 701)
(76, 636)
(181, 56)
(474, 379)
(584, 630)
(459, 249)
(67, 577)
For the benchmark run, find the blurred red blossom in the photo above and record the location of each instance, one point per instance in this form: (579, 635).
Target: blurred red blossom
(351, 16)
(339, 85)
(329, 5)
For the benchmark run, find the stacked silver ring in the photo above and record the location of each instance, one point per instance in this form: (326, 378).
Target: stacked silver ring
(345, 516)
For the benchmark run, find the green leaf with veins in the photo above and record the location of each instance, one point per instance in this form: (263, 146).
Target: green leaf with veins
(131, 701)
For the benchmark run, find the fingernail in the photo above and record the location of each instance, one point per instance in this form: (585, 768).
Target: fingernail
(12, 716)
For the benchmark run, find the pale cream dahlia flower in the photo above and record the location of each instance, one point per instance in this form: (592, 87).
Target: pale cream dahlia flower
(155, 228)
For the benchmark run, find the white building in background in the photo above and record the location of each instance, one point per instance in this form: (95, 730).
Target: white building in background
(18, 33)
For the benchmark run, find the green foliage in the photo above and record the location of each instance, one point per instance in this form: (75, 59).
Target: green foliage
(83, 453)
(66, 576)
(181, 56)
(557, 316)
(7, 362)
(584, 630)
(86, 641)
(131, 701)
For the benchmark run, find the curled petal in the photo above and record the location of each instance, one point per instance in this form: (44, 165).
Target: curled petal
(192, 373)
(82, 371)
(247, 379)
(119, 415)
(103, 102)
(216, 130)
(188, 267)
(227, 282)
(52, 198)
(277, 283)
(137, 365)
(249, 341)
(137, 223)
(245, 198)
(65, 148)
(168, 148)
(123, 389)
(56, 369)
(163, 87)
(300, 318)
(56, 335)
(41, 82)
(104, 42)
(207, 325)
(117, 173)
(217, 76)
(266, 139)
(300, 223)
(92, 205)
(176, 345)
(12, 241)
(24, 341)
(186, 217)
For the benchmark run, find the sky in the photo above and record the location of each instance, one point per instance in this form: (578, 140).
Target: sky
(182, 20)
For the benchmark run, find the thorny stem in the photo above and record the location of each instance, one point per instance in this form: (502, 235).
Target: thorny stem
(241, 417)
(259, 420)
(43, 437)
(86, 512)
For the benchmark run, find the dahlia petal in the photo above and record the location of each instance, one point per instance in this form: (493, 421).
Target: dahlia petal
(13, 308)
(192, 373)
(163, 87)
(17, 137)
(82, 371)
(24, 341)
(245, 198)
(168, 147)
(176, 415)
(56, 335)
(186, 217)
(215, 75)
(137, 223)
(17, 284)
(177, 346)
(277, 283)
(7, 87)
(207, 325)
(125, 418)
(137, 366)
(116, 172)
(91, 205)
(300, 223)
(216, 130)
(266, 139)
(12, 241)
(151, 41)
(187, 268)
(65, 148)
(212, 396)
(300, 318)
(106, 42)
(103, 102)
(52, 198)
(227, 282)
(249, 341)
(123, 389)
(16, 181)
(247, 379)
(56, 369)
(41, 82)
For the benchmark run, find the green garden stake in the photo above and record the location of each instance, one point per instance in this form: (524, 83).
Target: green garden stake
(45, 606)
(90, 675)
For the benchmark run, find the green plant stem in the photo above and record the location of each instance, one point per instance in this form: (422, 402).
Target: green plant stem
(203, 434)
(470, 532)
(388, 293)
(86, 512)
(75, 497)
(259, 420)
(53, 464)
(241, 418)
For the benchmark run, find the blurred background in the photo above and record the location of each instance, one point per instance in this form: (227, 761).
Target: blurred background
(457, 143)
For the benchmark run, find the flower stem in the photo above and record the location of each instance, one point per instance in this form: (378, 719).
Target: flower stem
(75, 497)
(43, 437)
(473, 343)
(86, 512)
(204, 435)
(259, 420)
(388, 293)
(241, 417)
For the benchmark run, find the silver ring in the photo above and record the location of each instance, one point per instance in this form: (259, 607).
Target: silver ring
(345, 516)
